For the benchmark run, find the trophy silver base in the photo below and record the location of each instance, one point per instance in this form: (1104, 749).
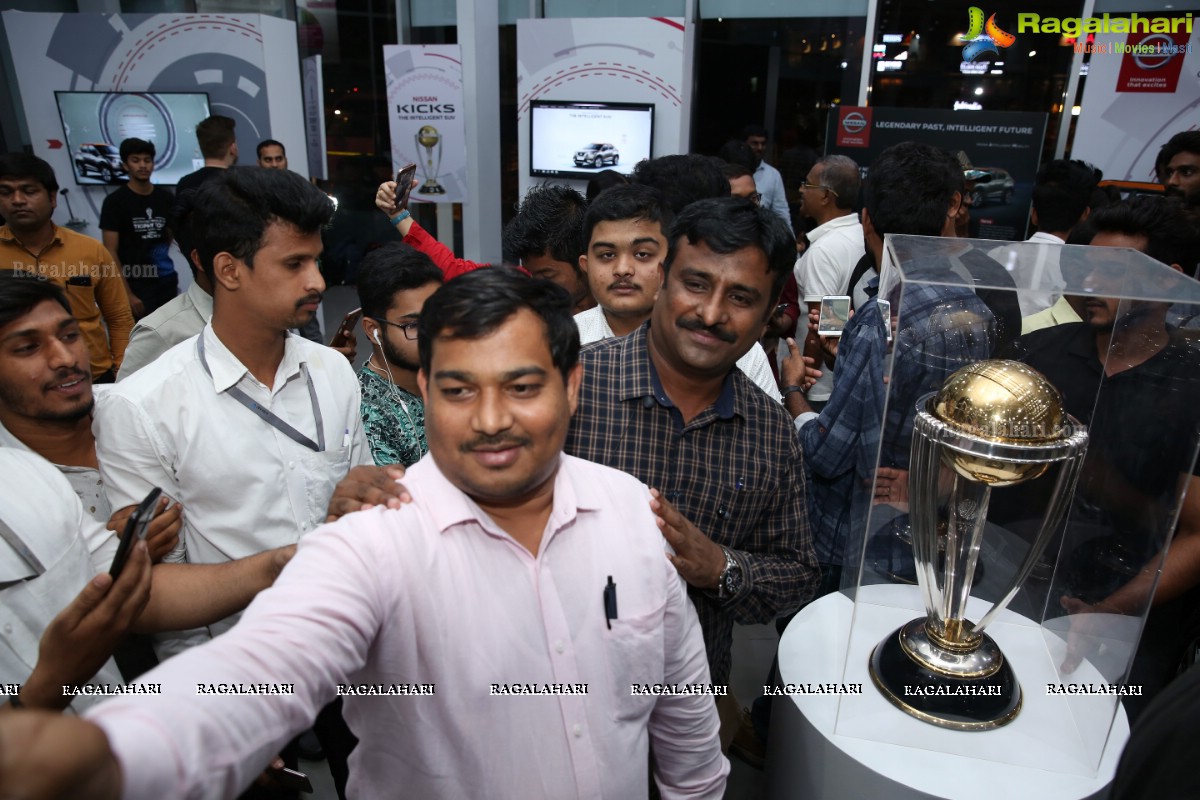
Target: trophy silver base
(965, 688)
(432, 187)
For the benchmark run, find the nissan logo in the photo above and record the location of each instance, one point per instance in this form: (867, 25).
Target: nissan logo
(854, 122)
(1155, 60)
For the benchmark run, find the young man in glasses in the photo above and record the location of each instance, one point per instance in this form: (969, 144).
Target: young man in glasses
(394, 282)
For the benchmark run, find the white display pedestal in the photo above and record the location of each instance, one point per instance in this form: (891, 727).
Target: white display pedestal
(806, 759)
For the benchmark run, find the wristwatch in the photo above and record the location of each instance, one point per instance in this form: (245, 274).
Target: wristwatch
(730, 582)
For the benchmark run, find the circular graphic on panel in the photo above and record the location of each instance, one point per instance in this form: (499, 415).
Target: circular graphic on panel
(139, 116)
(233, 86)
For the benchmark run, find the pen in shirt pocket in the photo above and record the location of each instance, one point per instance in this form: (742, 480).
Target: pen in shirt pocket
(346, 438)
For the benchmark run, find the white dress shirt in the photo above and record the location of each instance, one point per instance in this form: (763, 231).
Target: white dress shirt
(157, 332)
(594, 327)
(42, 511)
(245, 486)
(834, 249)
(1036, 267)
(435, 593)
(769, 184)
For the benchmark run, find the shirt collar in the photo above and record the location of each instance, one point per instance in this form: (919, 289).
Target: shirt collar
(639, 378)
(844, 221)
(202, 301)
(7, 235)
(227, 370)
(449, 506)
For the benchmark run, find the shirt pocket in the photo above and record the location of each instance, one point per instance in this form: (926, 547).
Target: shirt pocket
(738, 514)
(634, 655)
(322, 473)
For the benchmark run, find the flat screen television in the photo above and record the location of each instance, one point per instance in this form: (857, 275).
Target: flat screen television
(95, 123)
(575, 139)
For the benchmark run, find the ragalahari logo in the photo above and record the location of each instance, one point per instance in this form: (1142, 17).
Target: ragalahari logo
(982, 38)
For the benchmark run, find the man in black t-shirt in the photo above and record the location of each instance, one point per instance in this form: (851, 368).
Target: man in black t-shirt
(136, 225)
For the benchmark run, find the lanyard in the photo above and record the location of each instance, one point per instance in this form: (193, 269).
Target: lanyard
(266, 415)
(15, 542)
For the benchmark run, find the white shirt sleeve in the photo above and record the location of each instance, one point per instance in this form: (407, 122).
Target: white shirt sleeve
(758, 369)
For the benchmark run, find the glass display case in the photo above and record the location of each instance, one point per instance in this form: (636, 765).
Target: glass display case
(1014, 492)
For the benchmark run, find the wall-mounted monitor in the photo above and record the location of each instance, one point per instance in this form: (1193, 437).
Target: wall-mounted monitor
(95, 124)
(575, 139)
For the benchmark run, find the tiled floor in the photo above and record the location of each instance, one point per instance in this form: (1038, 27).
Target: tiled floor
(753, 645)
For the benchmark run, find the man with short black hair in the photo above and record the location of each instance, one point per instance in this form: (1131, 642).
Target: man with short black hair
(766, 177)
(31, 243)
(626, 233)
(506, 544)
(667, 405)
(545, 237)
(741, 181)
(394, 281)
(135, 221)
(272, 155)
(1178, 166)
(682, 179)
(218, 145)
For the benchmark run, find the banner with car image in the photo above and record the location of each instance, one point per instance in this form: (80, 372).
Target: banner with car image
(999, 151)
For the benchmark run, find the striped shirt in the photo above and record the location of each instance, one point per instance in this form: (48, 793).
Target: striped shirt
(735, 471)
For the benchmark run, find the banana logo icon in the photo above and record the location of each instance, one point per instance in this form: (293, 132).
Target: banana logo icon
(984, 38)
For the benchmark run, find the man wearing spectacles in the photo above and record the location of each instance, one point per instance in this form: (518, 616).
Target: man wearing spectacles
(827, 197)
(394, 282)
(1178, 166)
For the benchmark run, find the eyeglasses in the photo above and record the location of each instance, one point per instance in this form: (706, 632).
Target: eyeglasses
(807, 185)
(409, 328)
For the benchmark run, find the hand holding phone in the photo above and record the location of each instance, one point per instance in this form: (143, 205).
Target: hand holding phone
(135, 530)
(345, 331)
(835, 313)
(404, 185)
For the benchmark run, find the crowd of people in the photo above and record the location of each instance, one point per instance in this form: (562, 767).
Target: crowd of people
(505, 556)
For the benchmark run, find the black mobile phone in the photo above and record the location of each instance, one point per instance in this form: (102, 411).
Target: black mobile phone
(404, 179)
(135, 530)
(292, 779)
(345, 331)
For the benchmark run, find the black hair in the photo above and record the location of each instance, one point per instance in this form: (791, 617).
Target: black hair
(1171, 236)
(604, 179)
(631, 202)
(909, 189)
(137, 147)
(475, 304)
(22, 165)
(683, 179)
(215, 136)
(1063, 192)
(736, 151)
(753, 130)
(841, 176)
(1182, 142)
(20, 294)
(550, 220)
(231, 212)
(395, 267)
(269, 143)
(732, 170)
(728, 224)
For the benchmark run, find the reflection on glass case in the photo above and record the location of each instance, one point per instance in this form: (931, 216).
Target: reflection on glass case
(1038, 433)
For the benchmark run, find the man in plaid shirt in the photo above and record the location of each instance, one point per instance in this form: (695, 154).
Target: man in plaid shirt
(667, 405)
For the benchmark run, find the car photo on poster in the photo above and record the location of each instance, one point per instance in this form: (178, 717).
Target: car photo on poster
(597, 154)
(991, 185)
(101, 159)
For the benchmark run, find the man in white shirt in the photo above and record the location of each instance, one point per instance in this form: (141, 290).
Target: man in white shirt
(767, 178)
(625, 228)
(549, 571)
(827, 196)
(249, 427)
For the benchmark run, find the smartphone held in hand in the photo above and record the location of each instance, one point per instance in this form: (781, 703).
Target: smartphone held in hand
(835, 313)
(135, 530)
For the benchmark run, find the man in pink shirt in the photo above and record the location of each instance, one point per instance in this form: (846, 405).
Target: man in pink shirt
(515, 631)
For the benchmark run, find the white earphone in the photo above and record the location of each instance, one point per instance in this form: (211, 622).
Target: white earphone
(391, 381)
(376, 337)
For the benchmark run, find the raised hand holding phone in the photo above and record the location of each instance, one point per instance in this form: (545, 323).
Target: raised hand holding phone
(135, 530)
